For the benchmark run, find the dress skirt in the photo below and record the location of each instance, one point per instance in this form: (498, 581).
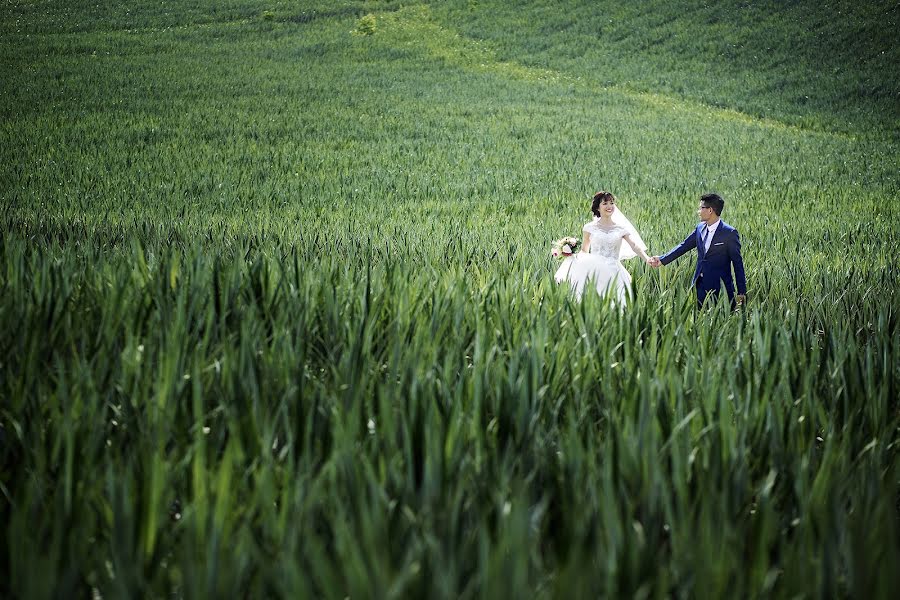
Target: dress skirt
(606, 275)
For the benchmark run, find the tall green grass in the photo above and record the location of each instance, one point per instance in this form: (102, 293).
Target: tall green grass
(278, 319)
(831, 66)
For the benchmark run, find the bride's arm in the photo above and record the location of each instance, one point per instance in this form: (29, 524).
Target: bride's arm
(586, 243)
(637, 249)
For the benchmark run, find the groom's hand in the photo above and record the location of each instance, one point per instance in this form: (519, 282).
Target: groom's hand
(654, 262)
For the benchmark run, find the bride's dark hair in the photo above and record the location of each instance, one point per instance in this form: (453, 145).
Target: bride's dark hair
(598, 198)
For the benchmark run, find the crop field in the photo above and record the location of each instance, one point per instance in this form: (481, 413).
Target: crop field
(278, 317)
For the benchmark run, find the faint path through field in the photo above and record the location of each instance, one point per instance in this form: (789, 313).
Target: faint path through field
(414, 27)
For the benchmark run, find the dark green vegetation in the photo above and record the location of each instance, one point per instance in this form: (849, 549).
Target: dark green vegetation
(831, 65)
(277, 315)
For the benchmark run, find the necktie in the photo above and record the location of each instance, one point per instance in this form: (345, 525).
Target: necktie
(703, 239)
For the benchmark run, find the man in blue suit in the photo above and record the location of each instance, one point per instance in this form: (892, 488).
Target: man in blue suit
(718, 251)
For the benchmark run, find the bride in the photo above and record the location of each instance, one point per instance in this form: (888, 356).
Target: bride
(608, 239)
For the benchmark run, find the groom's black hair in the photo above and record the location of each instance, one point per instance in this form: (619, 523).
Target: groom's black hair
(714, 201)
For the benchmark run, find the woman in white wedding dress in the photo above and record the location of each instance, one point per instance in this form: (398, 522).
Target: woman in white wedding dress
(608, 239)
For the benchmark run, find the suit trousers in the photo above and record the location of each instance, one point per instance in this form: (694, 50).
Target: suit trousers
(706, 295)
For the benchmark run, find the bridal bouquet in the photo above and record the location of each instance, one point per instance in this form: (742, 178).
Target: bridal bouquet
(564, 247)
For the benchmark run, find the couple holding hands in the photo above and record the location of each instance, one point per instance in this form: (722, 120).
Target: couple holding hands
(610, 238)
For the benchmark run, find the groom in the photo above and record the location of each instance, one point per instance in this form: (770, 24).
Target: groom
(718, 250)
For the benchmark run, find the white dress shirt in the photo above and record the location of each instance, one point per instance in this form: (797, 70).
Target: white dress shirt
(711, 229)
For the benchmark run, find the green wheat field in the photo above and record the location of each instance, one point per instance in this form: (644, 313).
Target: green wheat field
(278, 318)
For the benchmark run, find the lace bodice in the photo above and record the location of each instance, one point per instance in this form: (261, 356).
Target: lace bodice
(606, 243)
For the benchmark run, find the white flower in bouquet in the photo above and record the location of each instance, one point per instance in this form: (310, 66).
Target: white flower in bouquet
(565, 247)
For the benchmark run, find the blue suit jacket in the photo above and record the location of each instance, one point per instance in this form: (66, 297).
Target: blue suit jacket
(714, 267)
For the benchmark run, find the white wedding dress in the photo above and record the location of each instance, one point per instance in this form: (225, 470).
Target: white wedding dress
(603, 266)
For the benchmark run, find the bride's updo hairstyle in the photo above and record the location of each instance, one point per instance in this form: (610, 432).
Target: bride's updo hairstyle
(599, 197)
